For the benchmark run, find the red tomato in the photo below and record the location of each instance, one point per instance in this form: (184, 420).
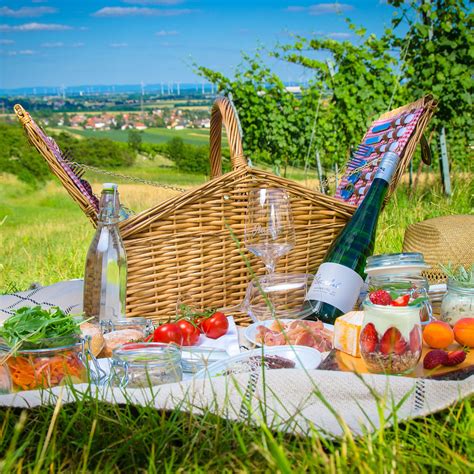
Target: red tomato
(215, 326)
(190, 332)
(167, 333)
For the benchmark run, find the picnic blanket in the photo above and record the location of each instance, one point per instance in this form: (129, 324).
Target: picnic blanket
(289, 400)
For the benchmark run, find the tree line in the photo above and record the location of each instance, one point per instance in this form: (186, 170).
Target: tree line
(359, 80)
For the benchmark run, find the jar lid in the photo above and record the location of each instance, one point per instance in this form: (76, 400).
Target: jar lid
(147, 353)
(408, 261)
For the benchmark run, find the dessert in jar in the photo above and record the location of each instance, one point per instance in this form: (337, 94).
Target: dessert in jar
(458, 302)
(391, 338)
(401, 273)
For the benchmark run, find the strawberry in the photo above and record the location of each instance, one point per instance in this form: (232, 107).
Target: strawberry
(455, 358)
(392, 341)
(401, 301)
(415, 339)
(380, 297)
(435, 358)
(369, 338)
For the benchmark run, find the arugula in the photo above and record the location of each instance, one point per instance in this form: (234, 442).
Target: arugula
(31, 325)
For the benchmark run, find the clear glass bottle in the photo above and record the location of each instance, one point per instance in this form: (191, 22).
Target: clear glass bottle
(400, 273)
(458, 302)
(105, 279)
(141, 365)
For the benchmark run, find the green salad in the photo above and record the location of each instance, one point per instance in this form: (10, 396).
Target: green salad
(35, 327)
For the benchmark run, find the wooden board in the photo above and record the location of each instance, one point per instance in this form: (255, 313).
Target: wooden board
(347, 363)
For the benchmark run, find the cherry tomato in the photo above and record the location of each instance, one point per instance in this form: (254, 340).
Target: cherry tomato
(167, 333)
(190, 332)
(215, 325)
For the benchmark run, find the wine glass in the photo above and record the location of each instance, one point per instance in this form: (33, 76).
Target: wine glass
(269, 229)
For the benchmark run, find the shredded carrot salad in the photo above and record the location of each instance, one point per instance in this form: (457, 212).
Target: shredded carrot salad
(30, 372)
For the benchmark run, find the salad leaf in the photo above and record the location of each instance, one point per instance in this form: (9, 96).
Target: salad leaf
(31, 325)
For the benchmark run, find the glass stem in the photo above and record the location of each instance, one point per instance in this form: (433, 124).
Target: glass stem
(270, 266)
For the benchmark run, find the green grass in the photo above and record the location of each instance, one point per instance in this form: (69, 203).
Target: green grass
(44, 238)
(151, 135)
(90, 436)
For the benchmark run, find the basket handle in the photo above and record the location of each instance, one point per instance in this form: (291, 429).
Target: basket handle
(223, 112)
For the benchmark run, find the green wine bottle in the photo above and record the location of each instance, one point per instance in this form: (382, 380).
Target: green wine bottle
(340, 277)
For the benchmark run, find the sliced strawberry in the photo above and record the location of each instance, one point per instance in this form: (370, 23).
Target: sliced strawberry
(434, 359)
(455, 358)
(380, 297)
(415, 339)
(369, 338)
(401, 301)
(393, 342)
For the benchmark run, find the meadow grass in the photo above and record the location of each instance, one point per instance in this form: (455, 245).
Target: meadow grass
(44, 237)
(193, 136)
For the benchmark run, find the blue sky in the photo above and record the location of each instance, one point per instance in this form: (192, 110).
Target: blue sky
(74, 42)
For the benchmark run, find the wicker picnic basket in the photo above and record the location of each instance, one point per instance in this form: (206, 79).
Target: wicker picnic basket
(182, 249)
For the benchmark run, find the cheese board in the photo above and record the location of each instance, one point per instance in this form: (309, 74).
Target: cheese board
(346, 363)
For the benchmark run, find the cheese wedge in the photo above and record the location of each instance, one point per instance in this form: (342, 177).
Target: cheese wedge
(347, 332)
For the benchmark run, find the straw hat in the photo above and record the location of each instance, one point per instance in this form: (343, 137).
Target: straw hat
(442, 240)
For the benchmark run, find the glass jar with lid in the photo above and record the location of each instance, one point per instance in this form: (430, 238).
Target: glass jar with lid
(45, 364)
(458, 302)
(391, 338)
(401, 273)
(142, 365)
(139, 324)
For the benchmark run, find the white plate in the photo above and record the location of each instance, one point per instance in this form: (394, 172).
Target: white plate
(303, 357)
(250, 332)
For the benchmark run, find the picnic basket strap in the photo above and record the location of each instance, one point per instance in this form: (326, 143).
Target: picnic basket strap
(223, 112)
(43, 148)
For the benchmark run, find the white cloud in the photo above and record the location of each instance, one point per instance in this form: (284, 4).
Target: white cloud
(118, 45)
(166, 33)
(321, 8)
(153, 2)
(339, 35)
(22, 52)
(78, 45)
(35, 27)
(52, 45)
(24, 12)
(139, 11)
(6, 41)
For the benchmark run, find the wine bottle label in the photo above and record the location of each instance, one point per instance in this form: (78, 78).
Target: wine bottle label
(387, 166)
(336, 285)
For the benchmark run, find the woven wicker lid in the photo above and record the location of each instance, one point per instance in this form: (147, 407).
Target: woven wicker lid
(442, 240)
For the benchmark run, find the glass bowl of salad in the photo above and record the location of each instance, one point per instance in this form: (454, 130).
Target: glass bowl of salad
(40, 349)
(51, 362)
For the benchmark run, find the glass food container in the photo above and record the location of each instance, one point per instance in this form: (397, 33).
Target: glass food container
(401, 273)
(458, 302)
(50, 363)
(140, 324)
(390, 340)
(142, 365)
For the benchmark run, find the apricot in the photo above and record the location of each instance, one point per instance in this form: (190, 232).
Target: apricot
(464, 332)
(438, 335)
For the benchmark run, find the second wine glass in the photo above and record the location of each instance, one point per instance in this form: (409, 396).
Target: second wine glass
(269, 229)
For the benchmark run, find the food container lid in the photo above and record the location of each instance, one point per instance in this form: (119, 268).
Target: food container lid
(196, 358)
(390, 262)
(147, 353)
